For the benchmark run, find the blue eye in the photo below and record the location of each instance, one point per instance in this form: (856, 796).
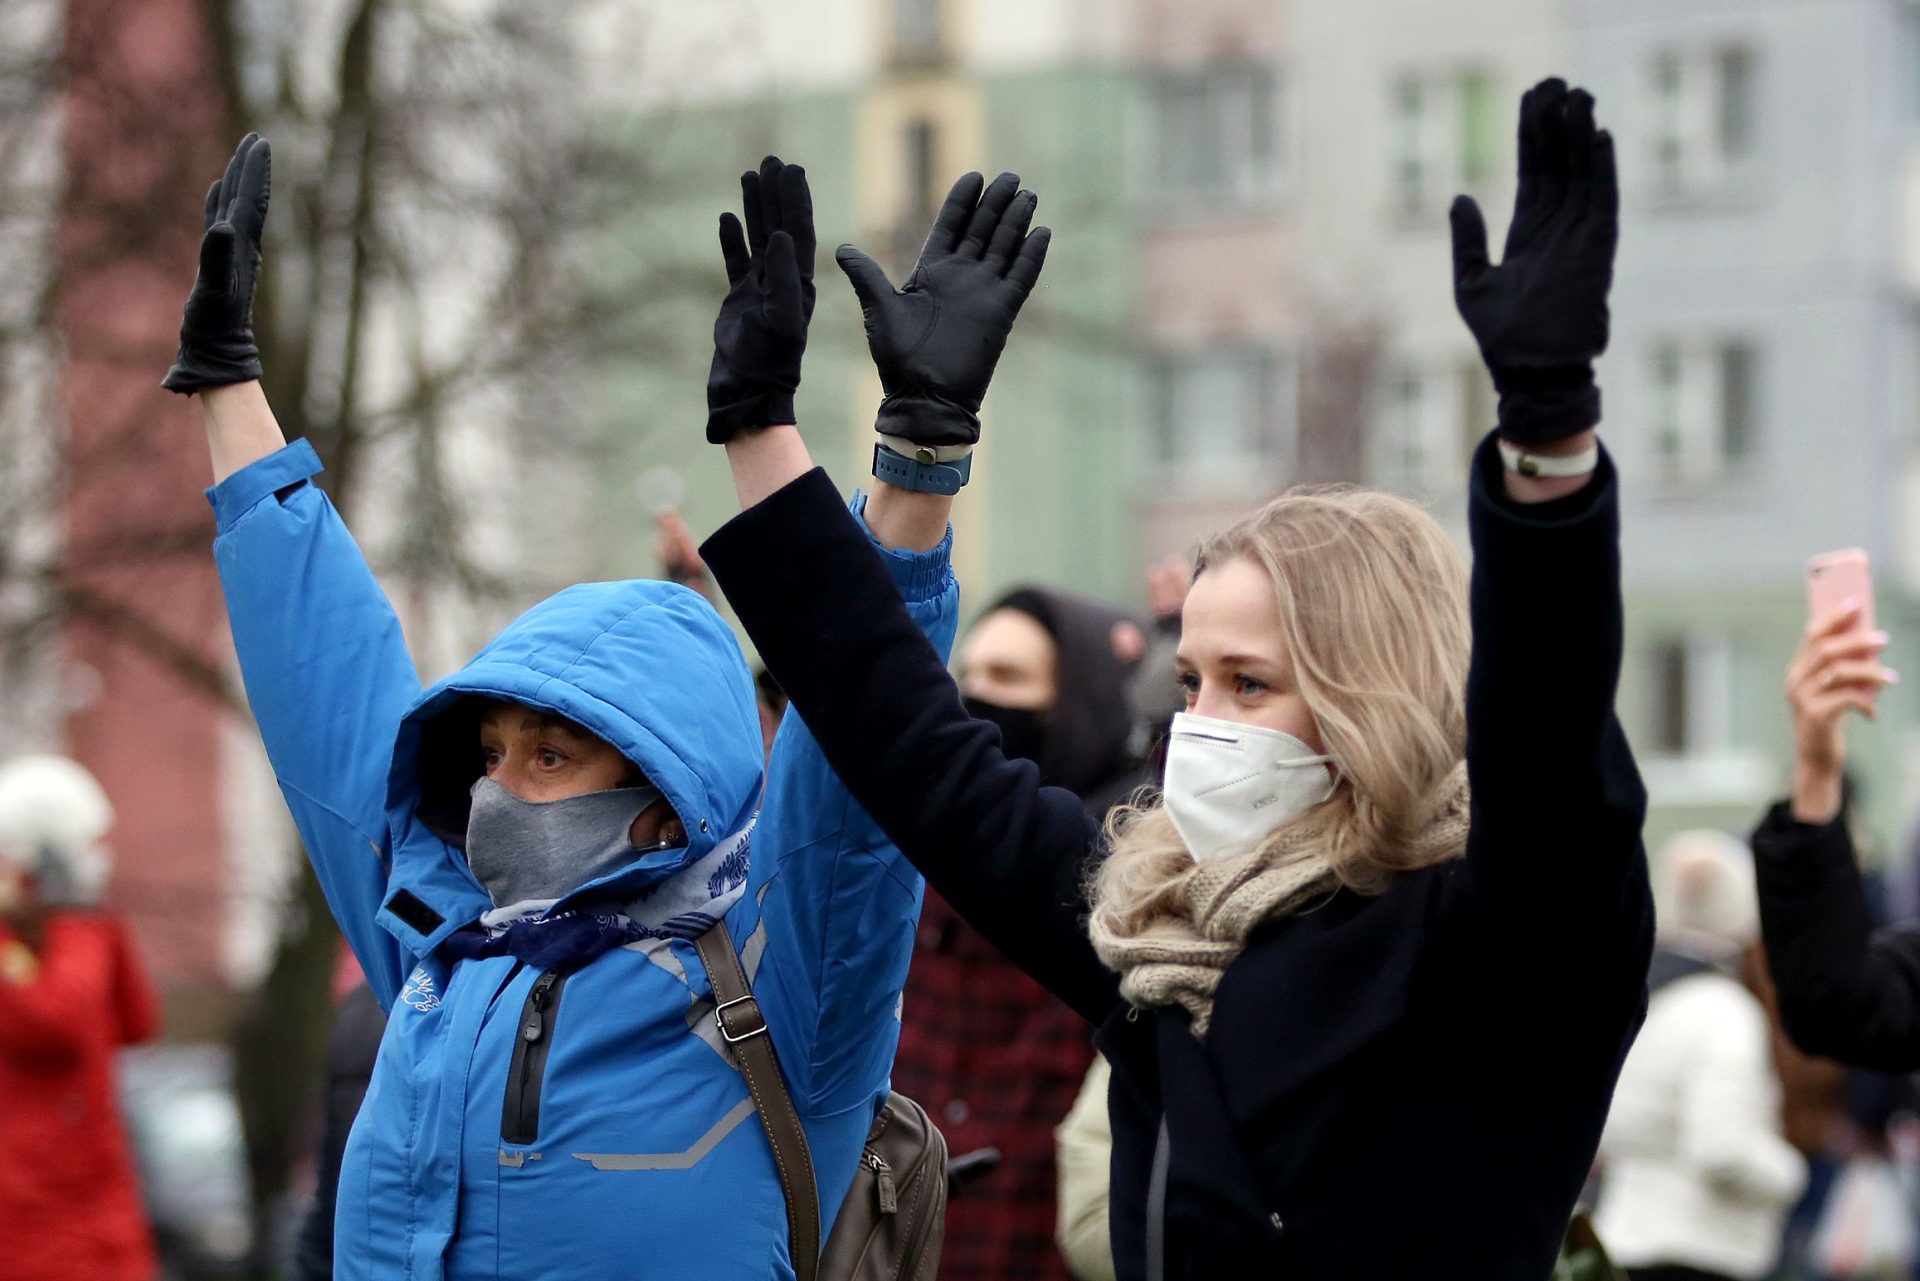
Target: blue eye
(1248, 686)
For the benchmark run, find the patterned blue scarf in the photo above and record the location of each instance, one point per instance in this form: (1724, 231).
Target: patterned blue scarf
(683, 906)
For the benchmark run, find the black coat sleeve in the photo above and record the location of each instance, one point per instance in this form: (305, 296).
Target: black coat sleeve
(1554, 853)
(1007, 853)
(1844, 991)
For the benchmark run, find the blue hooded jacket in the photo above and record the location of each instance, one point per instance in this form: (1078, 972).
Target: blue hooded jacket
(521, 1123)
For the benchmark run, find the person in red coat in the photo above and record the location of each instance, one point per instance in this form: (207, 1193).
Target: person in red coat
(994, 1058)
(72, 992)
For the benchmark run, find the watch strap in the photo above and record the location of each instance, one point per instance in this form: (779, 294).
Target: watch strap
(922, 472)
(1548, 466)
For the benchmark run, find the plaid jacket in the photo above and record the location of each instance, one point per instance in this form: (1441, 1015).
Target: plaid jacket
(996, 1062)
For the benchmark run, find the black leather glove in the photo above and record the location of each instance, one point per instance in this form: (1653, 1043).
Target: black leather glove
(216, 333)
(761, 332)
(1540, 317)
(937, 340)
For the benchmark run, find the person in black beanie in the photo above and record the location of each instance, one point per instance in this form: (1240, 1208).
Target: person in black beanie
(1051, 670)
(1367, 973)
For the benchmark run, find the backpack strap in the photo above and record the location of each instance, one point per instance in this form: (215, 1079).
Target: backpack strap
(744, 1029)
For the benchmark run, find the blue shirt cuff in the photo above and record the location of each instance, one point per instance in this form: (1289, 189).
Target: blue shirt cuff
(920, 576)
(288, 465)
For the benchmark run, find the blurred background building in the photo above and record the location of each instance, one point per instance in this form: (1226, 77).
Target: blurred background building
(1250, 288)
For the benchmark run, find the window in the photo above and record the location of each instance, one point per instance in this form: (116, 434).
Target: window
(1910, 60)
(1703, 408)
(1216, 133)
(919, 29)
(920, 191)
(1694, 752)
(1223, 413)
(1690, 687)
(922, 166)
(1445, 131)
(1701, 121)
(1433, 415)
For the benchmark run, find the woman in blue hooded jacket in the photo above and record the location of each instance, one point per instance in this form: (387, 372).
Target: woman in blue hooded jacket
(521, 853)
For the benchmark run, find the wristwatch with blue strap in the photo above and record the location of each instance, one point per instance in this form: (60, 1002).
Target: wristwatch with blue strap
(924, 469)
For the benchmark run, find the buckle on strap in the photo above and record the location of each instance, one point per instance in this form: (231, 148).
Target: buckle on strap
(759, 1027)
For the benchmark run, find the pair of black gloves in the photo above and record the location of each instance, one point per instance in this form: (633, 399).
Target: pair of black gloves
(1540, 316)
(935, 340)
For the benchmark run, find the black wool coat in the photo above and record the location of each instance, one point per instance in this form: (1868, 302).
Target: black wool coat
(1407, 1085)
(1845, 992)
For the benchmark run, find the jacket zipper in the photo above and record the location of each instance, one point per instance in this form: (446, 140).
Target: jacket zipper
(520, 1114)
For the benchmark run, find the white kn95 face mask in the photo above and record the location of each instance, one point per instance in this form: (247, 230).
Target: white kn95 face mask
(1228, 785)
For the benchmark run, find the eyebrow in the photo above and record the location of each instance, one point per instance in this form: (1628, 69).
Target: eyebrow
(1232, 660)
(535, 722)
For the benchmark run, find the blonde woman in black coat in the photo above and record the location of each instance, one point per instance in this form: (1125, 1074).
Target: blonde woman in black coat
(1366, 973)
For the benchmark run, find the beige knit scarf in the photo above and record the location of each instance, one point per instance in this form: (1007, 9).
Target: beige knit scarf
(1180, 956)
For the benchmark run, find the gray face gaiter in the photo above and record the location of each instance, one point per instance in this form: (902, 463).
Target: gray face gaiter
(521, 850)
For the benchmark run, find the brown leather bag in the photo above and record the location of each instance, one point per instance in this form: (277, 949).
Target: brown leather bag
(893, 1221)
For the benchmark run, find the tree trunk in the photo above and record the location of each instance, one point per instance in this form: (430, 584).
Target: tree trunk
(279, 1042)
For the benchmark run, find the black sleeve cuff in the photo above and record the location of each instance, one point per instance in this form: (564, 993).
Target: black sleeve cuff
(1799, 859)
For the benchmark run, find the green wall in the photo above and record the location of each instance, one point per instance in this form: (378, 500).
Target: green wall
(1054, 498)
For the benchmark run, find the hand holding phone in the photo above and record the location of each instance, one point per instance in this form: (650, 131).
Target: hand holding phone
(1838, 668)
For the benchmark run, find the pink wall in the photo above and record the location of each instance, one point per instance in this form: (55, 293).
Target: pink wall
(142, 137)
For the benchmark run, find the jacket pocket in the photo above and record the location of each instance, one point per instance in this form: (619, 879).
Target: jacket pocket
(520, 1110)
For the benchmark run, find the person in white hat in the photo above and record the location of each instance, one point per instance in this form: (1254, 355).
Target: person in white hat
(72, 992)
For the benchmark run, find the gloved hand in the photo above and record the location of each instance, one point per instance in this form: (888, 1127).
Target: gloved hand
(761, 332)
(216, 333)
(937, 340)
(1540, 317)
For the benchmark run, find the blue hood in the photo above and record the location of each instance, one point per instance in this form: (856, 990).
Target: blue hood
(647, 666)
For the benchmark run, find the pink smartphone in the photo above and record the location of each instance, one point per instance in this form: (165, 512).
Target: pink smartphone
(1838, 577)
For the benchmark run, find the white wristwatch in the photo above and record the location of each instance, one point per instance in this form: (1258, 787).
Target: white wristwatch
(1545, 466)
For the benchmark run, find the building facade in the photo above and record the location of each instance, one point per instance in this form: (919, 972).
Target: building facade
(1250, 287)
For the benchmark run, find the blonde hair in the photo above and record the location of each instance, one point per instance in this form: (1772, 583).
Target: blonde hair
(1373, 606)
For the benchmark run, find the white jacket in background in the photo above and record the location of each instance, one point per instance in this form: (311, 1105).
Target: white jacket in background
(1694, 1168)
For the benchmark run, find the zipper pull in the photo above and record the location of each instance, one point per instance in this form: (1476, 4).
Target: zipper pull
(536, 1026)
(883, 1176)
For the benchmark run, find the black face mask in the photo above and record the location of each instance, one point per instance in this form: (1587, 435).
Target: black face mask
(1023, 730)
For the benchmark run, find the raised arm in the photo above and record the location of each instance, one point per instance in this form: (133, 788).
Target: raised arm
(1844, 991)
(827, 891)
(818, 600)
(321, 653)
(1557, 803)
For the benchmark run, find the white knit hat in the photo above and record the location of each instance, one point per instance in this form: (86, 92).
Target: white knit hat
(53, 817)
(1704, 893)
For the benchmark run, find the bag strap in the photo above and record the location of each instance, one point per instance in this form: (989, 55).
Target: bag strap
(744, 1029)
